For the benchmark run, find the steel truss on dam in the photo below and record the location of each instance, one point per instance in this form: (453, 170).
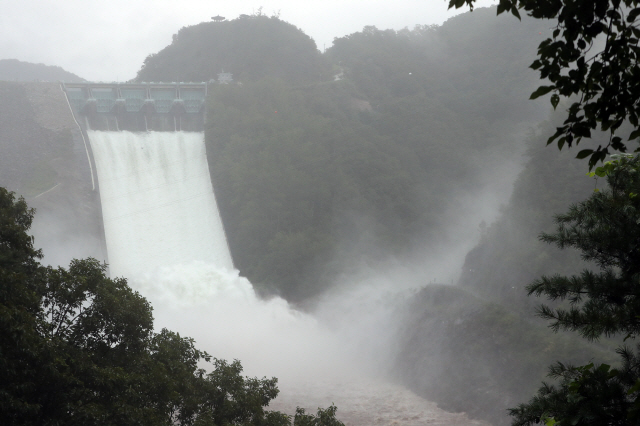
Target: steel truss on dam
(138, 106)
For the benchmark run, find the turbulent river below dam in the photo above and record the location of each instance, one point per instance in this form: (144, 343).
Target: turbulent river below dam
(163, 232)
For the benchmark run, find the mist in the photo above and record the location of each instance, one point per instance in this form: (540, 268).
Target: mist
(341, 347)
(381, 217)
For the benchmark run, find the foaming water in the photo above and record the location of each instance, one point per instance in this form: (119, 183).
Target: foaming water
(222, 312)
(164, 233)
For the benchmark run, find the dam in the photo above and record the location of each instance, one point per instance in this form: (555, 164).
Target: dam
(138, 106)
(147, 152)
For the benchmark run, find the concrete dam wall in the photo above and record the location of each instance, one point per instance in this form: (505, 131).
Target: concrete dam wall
(46, 156)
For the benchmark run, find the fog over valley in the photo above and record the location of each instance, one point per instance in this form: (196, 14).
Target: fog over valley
(306, 213)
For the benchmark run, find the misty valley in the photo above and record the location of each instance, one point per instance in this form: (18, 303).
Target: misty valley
(255, 232)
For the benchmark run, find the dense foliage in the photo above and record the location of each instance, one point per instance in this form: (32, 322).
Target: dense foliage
(591, 58)
(592, 55)
(604, 228)
(78, 348)
(249, 47)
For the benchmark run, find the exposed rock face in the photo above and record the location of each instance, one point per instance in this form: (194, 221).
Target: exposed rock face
(43, 159)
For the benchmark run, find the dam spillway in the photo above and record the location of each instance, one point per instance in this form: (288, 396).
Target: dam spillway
(157, 200)
(146, 142)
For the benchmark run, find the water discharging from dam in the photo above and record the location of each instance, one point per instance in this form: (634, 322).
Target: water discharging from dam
(164, 233)
(158, 204)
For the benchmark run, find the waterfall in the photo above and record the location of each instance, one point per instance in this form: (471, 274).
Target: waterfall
(157, 200)
(164, 234)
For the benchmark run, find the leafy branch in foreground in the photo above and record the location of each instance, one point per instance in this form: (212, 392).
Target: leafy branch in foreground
(591, 57)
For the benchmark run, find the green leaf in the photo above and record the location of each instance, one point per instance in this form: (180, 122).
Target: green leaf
(541, 91)
(584, 154)
(503, 5)
(514, 12)
(600, 172)
(555, 100)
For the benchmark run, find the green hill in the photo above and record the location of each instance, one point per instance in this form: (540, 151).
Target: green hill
(250, 47)
(314, 179)
(15, 70)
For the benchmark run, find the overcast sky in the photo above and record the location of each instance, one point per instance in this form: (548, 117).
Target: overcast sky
(108, 40)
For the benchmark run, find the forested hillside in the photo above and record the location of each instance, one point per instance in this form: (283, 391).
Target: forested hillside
(314, 175)
(15, 70)
(250, 47)
(473, 355)
(373, 163)
(490, 352)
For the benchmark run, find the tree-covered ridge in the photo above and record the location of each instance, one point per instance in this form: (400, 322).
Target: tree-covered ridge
(78, 348)
(471, 61)
(368, 163)
(249, 47)
(15, 70)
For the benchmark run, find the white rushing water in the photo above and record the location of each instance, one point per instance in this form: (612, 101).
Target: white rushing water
(164, 234)
(157, 201)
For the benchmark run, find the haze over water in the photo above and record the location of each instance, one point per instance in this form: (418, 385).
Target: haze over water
(164, 233)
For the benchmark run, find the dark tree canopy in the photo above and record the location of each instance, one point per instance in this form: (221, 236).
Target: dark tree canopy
(592, 60)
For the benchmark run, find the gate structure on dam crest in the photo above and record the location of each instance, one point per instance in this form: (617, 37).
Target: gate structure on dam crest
(138, 106)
